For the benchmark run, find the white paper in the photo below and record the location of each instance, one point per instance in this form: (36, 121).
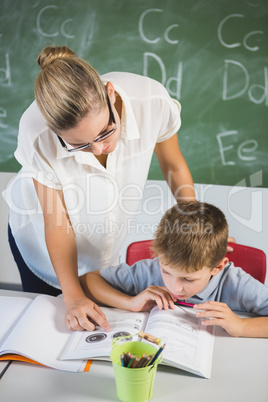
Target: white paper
(11, 310)
(41, 334)
(189, 345)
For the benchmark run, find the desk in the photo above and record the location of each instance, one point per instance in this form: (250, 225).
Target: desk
(239, 374)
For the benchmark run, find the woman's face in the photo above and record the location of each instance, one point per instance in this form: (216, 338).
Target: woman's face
(93, 127)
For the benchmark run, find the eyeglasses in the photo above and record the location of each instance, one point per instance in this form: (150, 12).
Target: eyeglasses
(98, 139)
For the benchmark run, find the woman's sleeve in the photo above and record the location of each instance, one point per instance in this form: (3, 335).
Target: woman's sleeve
(167, 112)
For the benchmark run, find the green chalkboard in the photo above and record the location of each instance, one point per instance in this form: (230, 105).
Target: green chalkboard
(212, 55)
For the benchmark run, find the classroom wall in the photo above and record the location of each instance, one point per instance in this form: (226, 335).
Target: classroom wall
(212, 55)
(245, 210)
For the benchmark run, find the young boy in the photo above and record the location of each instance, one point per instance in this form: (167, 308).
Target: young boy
(191, 266)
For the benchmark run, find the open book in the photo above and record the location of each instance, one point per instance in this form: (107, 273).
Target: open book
(35, 329)
(189, 345)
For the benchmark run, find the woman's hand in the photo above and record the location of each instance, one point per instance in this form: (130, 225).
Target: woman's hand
(148, 298)
(218, 313)
(83, 314)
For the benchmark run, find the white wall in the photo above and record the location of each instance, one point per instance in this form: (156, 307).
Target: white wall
(244, 209)
(9, 274)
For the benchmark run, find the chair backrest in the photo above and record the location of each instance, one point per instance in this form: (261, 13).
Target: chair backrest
(250, 259)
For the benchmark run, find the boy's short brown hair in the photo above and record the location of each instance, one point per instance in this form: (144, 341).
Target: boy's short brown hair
(192, 235)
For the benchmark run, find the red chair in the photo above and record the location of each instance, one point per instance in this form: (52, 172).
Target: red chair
(251, 259)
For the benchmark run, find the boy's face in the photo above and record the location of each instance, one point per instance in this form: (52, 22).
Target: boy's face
(184, 285)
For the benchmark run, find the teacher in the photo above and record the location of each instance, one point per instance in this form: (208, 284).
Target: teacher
(85, 145)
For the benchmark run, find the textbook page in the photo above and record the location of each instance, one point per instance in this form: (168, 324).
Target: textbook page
(98, 343)
(189, 345)
(41, 333)
(11, 310)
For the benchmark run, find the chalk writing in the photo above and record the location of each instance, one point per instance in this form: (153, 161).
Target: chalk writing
(244, 82)
(166, 33)
(42, 32)
(243, 150)
(237, 79)
(172, 81)
(173, 84)
(3, 113)
(236, 44)
(5, 73)
(236, 83)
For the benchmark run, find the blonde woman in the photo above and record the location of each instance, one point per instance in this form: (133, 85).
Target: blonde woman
(85, 145)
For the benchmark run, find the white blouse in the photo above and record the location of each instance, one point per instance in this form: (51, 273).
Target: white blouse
(101, 202)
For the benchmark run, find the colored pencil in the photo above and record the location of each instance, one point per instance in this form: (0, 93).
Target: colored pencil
(160, 350)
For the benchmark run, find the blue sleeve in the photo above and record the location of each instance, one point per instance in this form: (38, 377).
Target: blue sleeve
(254, 296)
(242, 292)
(133, 279)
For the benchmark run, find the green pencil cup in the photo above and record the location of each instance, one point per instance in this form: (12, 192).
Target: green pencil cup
(134, 384)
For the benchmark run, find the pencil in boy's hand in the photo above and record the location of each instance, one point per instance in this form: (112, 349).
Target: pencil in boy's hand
(182, 303)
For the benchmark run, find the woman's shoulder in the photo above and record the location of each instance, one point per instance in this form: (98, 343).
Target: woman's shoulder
(32, 123)
(135, 84)
(32, 119)
(31, 127)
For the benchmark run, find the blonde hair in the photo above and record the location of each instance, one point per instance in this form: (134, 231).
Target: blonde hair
(192, 235)
(67, 88)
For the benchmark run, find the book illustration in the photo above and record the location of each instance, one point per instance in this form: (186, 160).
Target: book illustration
(99, 337)
(122, 324)
(126, 336)
(96, 337)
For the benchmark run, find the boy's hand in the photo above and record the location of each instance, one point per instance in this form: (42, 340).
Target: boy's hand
(153, 295)
(220, 314)
(83, 314)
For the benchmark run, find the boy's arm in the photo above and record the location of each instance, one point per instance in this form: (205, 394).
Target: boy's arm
(100, 291)
(256, 327)
(220, 314)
